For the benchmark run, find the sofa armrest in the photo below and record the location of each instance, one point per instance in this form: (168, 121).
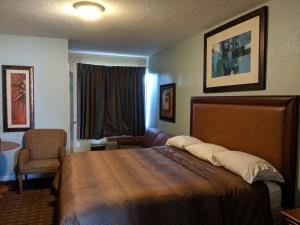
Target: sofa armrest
(24, 158)
(133, 140)
(62, 154)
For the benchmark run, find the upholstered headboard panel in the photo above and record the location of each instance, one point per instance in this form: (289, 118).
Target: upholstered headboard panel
(265, 126)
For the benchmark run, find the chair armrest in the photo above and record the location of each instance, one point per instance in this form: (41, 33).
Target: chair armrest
(134, 140)
(24, 158)
(62, 154)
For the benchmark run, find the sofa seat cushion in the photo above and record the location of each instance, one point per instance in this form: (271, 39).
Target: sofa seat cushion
(41, 166)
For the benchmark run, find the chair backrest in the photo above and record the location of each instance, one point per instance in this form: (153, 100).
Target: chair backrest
(149, 136)
(44, 143)
(161, 139)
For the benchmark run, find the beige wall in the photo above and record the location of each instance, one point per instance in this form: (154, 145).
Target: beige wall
(49, 57)
(107, 60)
(183, 64)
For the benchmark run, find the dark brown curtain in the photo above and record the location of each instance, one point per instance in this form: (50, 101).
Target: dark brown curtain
(110, 101)
(90, 104)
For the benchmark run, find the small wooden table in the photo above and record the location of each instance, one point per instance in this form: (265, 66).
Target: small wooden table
(291, 216)
(6, 146)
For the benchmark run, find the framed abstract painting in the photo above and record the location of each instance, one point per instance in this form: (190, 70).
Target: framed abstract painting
(17, 94)
(167, 102)
(235, 54)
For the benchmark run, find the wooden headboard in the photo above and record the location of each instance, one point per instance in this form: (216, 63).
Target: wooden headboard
(265, 126)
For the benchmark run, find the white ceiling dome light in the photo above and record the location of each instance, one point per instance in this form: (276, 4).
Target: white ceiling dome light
(88, 10)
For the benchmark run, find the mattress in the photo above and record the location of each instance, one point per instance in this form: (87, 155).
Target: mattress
(274, 194)
(162, 185)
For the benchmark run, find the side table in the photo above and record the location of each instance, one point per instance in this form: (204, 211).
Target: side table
(104, 146)
(8, 160)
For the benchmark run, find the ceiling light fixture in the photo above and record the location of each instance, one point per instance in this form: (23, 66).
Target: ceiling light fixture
(88, 10)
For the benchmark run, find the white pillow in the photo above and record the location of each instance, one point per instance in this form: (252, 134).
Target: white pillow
(206, 151)
(251, 168)
(182, 141)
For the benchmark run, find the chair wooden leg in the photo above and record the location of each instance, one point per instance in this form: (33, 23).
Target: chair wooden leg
(3, 189)
(20, 177)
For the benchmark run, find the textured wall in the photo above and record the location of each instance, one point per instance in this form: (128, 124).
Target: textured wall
(49, 57)
(108, 60)
(183, 64)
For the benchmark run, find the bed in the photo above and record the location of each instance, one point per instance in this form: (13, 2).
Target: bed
(168, 186)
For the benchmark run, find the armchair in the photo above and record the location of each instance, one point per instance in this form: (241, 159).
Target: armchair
(44, 150)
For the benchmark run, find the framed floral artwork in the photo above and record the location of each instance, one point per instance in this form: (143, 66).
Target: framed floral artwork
(235, 54)
(17, 95)
(167, 102)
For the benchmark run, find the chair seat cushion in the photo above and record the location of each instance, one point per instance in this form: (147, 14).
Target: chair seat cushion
(41, 166)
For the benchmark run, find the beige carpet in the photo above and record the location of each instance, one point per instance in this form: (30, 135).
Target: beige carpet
(35, 206)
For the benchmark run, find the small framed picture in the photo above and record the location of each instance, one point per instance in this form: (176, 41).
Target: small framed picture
(235, 54)
(167, 102)
(17, 94)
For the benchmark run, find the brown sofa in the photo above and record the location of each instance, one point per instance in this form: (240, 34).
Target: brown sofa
(152, 137)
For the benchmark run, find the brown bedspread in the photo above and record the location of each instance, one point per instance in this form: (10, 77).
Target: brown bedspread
(161, 186)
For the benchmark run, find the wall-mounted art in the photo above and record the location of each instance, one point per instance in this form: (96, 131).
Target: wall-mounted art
(17, 94)
(235, 54)
(167, 102)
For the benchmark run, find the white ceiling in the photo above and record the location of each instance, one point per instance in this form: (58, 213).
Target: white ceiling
(138, 27)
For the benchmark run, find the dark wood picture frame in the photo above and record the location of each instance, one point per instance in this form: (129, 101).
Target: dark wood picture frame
(24, 97)
(167, 102)
(262, 13)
